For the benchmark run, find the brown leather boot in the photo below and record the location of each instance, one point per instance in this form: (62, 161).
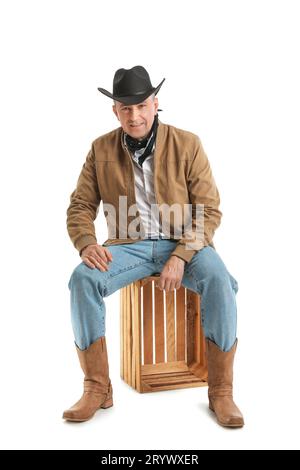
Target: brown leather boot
(220, 378)
(97, 385)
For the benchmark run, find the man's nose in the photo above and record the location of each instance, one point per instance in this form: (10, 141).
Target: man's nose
(134, 114)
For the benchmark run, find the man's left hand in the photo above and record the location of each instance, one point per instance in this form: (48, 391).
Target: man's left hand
(171, 275)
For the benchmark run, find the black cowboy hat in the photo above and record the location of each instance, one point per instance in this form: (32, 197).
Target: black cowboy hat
(131, 86)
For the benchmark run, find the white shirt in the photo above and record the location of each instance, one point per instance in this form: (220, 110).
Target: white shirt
(144, 193)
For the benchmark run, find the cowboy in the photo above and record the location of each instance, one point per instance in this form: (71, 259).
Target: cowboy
(153, 166)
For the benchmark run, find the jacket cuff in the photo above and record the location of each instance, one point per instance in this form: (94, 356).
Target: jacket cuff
(85, 241)
(182, 252)
(186, 254)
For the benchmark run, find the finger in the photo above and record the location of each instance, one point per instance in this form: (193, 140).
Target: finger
(88, 263)
(97, 264)
(177, 285)
(98, 256)
(99, 251)
(161, 283)
(167, 285)
(172, 285)
(102, 253)
(99, 259)
(108, 255)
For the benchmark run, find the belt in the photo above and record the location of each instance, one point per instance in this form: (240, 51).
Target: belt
(156, 237)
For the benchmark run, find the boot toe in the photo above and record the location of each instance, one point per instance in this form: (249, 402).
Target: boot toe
(70, 415)
(75, 418)
(75, 415)
(233, 421)
(237, 421)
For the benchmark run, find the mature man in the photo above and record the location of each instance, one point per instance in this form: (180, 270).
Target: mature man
(146, 173)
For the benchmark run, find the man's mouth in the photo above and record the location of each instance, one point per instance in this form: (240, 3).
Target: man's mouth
(139, 125)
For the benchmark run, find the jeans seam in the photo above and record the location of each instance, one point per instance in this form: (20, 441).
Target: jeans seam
(189, 274)
(129, 268)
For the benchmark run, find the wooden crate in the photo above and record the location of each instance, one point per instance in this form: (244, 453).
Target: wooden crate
(162, 341)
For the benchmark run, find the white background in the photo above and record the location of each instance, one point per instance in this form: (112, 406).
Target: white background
(232, 77)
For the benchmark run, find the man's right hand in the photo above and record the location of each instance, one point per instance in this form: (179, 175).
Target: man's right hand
(96, 256)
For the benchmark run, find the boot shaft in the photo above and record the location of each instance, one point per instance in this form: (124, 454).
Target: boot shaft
(94, 362)
(220, 368)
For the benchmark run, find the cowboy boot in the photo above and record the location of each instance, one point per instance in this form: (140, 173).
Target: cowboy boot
(220, 378)
(97, 385)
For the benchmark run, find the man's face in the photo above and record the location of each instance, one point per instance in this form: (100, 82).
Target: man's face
(136, 119)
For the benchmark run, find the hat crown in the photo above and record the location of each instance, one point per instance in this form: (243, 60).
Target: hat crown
(131, 81)
(132, 86)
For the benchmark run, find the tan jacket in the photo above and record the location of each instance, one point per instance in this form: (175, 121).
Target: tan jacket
(182, 175)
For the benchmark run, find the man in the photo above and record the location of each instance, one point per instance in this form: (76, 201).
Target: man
(148, 168)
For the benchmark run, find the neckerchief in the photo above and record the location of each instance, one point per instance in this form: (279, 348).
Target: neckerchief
(147, 143)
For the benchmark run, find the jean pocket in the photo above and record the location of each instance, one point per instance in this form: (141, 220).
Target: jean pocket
(234, 283)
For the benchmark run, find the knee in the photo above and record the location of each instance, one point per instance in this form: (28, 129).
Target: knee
(77, 275)
(82, 276)
(220, 279)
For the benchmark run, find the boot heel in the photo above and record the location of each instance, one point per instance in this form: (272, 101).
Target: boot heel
(107, 404)
(210, 406)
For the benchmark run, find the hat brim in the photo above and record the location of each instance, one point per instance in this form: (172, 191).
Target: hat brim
(132, 99)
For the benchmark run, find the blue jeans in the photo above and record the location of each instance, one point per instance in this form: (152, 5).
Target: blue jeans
(205, 274)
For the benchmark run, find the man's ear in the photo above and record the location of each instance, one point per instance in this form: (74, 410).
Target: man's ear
(115, 111)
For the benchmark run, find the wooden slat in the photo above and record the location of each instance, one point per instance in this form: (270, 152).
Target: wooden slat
(127, 339)
(164, 382)
(128, 334)
(164, 367)
(197, 327)
(133, 313)
(137, 351)
(190, 326)
(148, 323)
(170, 323)
(187, 377)
(159, 326)
(149, 279)
(180, 324)
(121, 335)
(181, 374)
(125, 333)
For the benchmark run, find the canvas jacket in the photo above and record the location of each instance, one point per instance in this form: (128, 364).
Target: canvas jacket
(182, 175)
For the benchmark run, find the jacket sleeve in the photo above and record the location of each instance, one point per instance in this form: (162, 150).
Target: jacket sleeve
(204, 199)
(84, 205)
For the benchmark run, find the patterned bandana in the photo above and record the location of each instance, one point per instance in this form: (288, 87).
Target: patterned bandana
(146, 144)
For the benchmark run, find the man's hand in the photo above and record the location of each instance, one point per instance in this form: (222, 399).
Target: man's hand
(172, 273)
(96, 256)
